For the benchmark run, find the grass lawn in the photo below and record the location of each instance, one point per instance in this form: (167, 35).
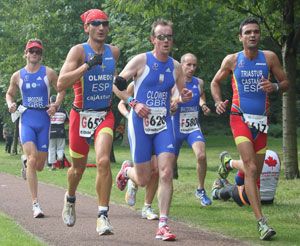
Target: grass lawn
(223, 217)
(12, 234)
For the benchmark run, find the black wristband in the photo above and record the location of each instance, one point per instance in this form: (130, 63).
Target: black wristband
(121, 83)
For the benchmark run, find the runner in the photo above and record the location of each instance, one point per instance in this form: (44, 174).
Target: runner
(150, 126)
(90, 68)
(34, 82)
(251, 85)
(186, 124)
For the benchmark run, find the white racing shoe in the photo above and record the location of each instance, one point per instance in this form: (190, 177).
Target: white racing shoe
(103, 226)
(68, 213)
(148, 213)
(37, 211)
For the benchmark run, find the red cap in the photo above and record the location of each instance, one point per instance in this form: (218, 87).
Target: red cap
(32, 44)
(93, 14)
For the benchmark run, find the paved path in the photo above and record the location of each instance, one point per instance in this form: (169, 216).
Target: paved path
(129, 228)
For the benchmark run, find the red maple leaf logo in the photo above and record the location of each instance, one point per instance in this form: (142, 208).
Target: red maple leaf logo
(271, 162)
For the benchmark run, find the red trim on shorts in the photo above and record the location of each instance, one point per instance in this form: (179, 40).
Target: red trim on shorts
(240, 129)
(80, 145)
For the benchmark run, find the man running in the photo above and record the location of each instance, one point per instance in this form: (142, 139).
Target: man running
(90, 68)
(251, 85)
(150, 127)
(186, 125)
(34, 82)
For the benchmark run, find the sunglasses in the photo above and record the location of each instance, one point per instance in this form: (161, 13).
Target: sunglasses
(163, 37)
(36, 51)
(98, 23)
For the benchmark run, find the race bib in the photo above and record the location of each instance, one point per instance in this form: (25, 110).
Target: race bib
(188, 122)
(156, 121)
(20, 110)
(89, 121)
(260, 122)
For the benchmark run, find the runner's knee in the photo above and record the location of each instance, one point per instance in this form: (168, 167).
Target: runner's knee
(32, 161)
(103, 163)
(251, 170)
(201, 158)
(143, 180)
(77, 171)
(166, 175)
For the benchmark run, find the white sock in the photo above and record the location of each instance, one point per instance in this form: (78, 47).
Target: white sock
(102, 208)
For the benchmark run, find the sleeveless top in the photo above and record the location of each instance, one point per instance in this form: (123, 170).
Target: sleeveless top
(94, 89)
(193, 104)
(35, 88)
(153, 88)
(248, 97)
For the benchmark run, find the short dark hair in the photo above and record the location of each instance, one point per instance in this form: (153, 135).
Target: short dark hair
(249, 20)
(161, 22)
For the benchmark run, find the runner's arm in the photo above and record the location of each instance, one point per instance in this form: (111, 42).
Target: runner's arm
(277, 71)
(122, 107)
(73, 68)
(11, 92)
(202, 100)
(215, 86)
(184, 93)
(133, 70)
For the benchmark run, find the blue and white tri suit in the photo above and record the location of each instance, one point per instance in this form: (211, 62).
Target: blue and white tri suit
(152, 88)
(35, 122)
(185, 120)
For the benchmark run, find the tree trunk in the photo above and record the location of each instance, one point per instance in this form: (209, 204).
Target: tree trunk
(289, 109)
